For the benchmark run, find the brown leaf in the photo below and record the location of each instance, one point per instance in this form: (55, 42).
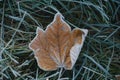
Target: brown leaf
(57, 46)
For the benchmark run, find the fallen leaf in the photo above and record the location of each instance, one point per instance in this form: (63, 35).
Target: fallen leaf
(57, 46)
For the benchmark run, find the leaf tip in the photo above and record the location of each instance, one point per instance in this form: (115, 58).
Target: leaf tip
(58, 16)
(85, 31)
(38, 30)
